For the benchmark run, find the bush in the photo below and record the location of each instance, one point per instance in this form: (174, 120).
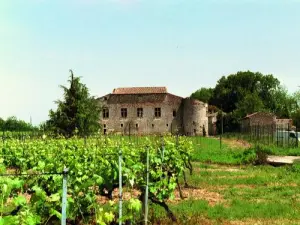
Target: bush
(295, 168)
(248, 156)
(261, 155)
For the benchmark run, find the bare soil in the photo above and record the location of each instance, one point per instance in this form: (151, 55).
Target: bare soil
(235, 143)
(212, 198)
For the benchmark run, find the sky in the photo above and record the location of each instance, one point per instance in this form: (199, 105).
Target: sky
(181, 44)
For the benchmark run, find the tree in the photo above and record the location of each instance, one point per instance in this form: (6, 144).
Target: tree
(14, 124)
(284, 103)
(2, 122)
(296, 118)
(297, 98)
(78, 112)
(231, 90)
(203, 94)
(296, 114)
(250, 104)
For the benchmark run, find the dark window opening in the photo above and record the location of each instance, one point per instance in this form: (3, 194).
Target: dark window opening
(121, 124)
(174, 113)
(167, 125)
(152, 125)
(104, 125)
(124, 112)
(136, 125)
(105, 113)
(104, 131)
(157, 112)
(140, 112)
(195, 131)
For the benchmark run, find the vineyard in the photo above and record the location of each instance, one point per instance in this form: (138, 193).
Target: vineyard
(89, 181)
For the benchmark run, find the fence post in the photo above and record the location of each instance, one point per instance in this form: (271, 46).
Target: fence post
(273, 130)
(147, 187)
(120, 187)
(64, 198)
(277, 133)
(297, 141)
(288, 135)
(221, 130)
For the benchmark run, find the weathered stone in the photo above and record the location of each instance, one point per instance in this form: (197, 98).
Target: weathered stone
(178, 115)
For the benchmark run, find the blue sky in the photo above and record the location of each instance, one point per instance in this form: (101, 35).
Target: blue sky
(181, 44)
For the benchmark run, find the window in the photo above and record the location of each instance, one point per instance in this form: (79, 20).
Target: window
(152, 125)
(167, 125)
(136, 125)
(174, 113)
(105, 113)
(157, 112)
(104, 125)
(124, 112)
(121, 124)
(140, 112)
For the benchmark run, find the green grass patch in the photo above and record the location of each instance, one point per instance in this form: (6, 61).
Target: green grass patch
(249, 193)
(209, 150)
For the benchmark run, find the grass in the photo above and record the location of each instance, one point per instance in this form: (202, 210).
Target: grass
(249, 194)
(274, 150)
(211, 151)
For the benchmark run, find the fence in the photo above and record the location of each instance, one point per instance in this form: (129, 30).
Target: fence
(275, 135)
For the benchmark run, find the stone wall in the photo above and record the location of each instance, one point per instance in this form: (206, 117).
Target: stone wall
(259, 119)
(195, 119)
(178, 115)
(148, 124)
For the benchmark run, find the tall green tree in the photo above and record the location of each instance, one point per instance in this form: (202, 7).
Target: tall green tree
(296, 113)
(247, 92)
(284, 103)
(78, 112)
(231, 90)
(14, 124)
(2, 122)
(203, 94)
(250, 104)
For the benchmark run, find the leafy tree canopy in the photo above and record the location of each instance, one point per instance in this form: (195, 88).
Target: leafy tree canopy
(78, 112)
(247, 92)
(203, 94)
(231, 90)
(296, 113)
(14, 124)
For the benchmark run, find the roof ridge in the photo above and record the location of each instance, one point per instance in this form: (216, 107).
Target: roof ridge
(140, 90)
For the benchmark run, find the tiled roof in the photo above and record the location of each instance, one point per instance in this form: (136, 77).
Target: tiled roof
(259, 113)
(250, 115)
(284, 120)
(140, 90)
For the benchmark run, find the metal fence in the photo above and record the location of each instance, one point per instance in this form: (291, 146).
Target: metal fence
(275, 135)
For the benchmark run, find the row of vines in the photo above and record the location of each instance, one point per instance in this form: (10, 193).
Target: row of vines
(31, 178)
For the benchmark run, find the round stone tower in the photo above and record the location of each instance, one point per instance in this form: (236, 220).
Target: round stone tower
(195, 120)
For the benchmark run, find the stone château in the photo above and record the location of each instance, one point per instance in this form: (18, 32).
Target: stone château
(152, 110)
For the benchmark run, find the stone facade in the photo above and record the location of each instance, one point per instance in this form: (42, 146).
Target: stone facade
(266, 121)
(284, 124)
(259, 118)
(151, 110)
(212, 123)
